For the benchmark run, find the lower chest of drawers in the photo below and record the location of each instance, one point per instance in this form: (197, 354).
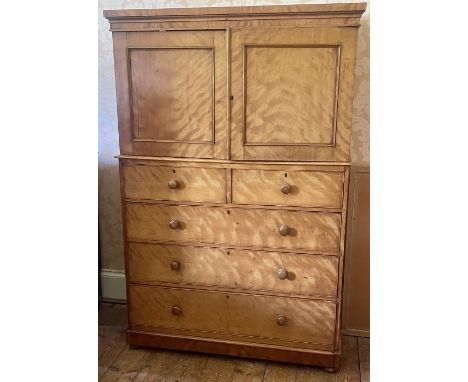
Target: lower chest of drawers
(228, 253)
(243, 317)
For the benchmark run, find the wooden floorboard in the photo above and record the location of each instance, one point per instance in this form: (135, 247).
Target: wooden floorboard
(117, 362)
(111, 334)
(364, 358)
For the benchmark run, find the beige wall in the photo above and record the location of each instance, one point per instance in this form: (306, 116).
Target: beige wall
(109, 194)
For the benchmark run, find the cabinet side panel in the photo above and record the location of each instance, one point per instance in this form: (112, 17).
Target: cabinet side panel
(122, 90)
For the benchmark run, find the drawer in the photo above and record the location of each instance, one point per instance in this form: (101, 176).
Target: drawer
(298, 274)
(289, 188)
(267, 319)
(317, 231)
(174, 183)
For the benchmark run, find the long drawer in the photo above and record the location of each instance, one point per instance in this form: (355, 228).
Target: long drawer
(273, 320)
(234, 226)
(298, 274)
(174, 183)
(290, 188)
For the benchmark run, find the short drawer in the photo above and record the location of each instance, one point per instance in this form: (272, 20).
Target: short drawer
(267, 319)
(298, 274)
(174, 183)
(290, 188)
(317, 231)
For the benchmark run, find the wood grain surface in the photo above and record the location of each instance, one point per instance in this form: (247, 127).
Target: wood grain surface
(111, 334)
(194, 184)
(308, 188)
(172, 92)
(234, 226)
(364, 358)
(315, 129)
(244, 164)
(356, 293)
(254, 12)
(290, 94)
(145, 364)
(242, 317)
(233, 269)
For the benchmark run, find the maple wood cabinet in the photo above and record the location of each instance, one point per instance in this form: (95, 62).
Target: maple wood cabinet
(234, 129)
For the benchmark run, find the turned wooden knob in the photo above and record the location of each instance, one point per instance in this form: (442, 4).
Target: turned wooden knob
(281, 320)
(173, 184)
(175, 265)
(176, 310)
(284, 230)
(174, 224)
(282, 274)
(286, 188)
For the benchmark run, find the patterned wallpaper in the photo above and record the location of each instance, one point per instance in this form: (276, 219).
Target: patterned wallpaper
(110, 222)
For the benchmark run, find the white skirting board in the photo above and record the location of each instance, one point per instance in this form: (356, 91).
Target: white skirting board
(113, 284)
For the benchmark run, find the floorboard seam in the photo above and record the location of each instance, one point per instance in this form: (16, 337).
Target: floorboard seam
(358, 358)
(264, 371)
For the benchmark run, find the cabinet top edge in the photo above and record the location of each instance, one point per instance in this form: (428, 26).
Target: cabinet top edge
(229, 162)
(253, 12)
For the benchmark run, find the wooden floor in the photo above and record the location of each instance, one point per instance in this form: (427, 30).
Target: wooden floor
(119, 363)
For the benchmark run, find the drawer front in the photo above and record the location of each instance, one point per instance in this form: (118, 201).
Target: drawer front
(289, 188)
(234, 226)
(174, 183)
(298, 274)
(246, 317)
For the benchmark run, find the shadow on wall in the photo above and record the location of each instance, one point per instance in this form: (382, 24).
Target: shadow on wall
(110, 216)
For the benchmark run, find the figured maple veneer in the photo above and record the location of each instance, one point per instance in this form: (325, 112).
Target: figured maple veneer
(172, 93)
(191, 184)
(260, 228)
(304, 188)
(233, 269)
(294, 89)
(309, 323)
(276, 115)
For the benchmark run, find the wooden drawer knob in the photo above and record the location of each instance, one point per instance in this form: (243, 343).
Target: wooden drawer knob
(174, 224)
(172, 184)
(282, 274)
(281, 320)
(175, 265)
(284, 230)
(176, 310)
(286, 188)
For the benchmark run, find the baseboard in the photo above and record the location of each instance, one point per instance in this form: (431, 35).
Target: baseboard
(113, 285)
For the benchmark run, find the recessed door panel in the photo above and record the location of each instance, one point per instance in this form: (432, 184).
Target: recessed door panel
(172, 93)
(292, 93)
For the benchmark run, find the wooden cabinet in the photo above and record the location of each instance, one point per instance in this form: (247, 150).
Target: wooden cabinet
(234, 131)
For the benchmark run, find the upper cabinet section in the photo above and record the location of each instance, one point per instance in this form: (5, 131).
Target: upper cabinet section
(240, 83)
(172, 93)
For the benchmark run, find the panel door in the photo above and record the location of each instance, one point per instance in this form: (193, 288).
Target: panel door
(172, 93)
(292, 93)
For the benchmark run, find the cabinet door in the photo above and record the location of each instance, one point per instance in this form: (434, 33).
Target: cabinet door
(292, 93)
(172, 93)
